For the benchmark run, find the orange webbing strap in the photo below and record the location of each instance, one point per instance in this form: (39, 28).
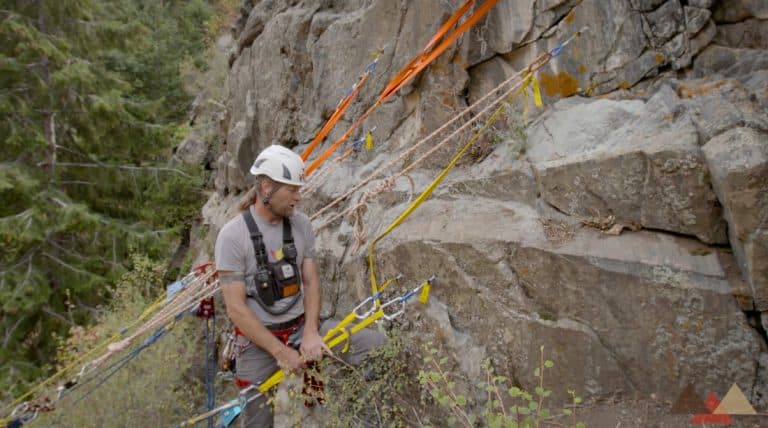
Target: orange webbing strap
(340, 109)
(427, 56)
(414, 67)
(404, 72)
(448, 24)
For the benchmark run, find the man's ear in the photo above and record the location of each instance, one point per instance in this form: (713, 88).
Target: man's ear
(265, 186)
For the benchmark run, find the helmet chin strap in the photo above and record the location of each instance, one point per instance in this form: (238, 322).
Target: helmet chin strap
(268, 196)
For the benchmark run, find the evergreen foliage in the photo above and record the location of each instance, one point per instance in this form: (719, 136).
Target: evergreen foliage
(90, 104)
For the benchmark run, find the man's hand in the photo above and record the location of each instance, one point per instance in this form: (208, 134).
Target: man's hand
(312, 346)
(289, 359)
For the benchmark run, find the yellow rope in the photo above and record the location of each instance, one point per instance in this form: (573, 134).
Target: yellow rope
(424, 195)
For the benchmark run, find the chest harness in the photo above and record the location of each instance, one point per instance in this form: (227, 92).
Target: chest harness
(278, 280)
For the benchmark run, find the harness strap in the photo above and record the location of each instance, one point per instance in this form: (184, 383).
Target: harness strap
(256, 239)
(262, 262)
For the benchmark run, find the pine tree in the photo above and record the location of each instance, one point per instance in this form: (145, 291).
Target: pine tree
(89, 100)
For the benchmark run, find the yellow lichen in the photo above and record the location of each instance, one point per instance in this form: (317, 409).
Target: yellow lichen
(688, 90)
(562, 84)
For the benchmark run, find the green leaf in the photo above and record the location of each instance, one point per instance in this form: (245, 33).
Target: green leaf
(549, 364)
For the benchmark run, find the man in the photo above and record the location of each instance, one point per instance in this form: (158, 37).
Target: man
(271, 283)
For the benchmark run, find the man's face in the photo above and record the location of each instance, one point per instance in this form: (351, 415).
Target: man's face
(284, 201)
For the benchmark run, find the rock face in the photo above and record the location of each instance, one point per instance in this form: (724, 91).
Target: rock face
(638, 162)
(600, 227)
(738, 160)
(612, 321)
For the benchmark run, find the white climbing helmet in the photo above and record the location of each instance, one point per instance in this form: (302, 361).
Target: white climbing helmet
(280, 164)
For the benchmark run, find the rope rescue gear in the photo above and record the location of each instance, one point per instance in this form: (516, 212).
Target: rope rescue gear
(273, 281)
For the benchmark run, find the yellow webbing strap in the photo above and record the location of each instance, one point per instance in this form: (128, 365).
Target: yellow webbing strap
(530, 80)
(422, 197)
(333, 338)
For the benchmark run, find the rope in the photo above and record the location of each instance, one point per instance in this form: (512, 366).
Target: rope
(376, 173)
(414, 67)
(317, 179)
(112, 345)
(119, 364)
(210, 363)
(534, 66)
(342, 106)
(183, 300)
(98, 348)
(425, 194)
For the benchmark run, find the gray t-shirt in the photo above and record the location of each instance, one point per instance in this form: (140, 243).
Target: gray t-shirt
(234, 252)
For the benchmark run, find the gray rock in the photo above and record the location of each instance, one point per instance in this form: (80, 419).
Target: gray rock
(499, 34)
(640, 163)
(193, 150)
(644, 312)
(751, 33)
(719, 105)
(695, 45)
(486, 76)
(503, 176)
(738, 10)
(758, 83)
(738, 161)
(235, 167)
(511, 290)
(695, 19)
(748, 66)
(703, 4)
(645, 5)
(663, 23)
(729, 61)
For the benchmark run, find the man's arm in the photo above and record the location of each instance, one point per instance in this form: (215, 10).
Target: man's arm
(233, 290)
(312, 344)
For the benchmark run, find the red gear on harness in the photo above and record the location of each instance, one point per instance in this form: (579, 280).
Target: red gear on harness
(313, 386)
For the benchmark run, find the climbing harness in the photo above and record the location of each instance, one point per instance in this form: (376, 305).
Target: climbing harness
(363, 315)
(289, 333)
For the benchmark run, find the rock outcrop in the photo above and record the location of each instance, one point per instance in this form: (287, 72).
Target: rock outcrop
(601, 227)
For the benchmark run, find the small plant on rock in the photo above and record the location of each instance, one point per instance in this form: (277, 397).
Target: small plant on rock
(504, 406)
